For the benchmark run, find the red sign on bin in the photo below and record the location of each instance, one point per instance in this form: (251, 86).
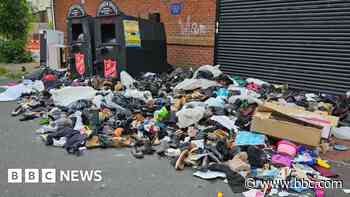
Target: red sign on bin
(110, 68)
(80, 63)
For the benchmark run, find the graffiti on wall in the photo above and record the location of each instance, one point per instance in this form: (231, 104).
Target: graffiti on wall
(191, 28)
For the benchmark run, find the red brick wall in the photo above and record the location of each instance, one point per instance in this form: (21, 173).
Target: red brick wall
(190, 35)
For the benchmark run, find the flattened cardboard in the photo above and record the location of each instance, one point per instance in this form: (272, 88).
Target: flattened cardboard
(292, 123)
(298, 111)
(265, 123)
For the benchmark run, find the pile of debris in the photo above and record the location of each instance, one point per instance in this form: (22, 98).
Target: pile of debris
(219, 125)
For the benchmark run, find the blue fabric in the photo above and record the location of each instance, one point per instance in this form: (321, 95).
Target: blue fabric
(249, 138)
(215, 102)
(306, 156)
(222, 92)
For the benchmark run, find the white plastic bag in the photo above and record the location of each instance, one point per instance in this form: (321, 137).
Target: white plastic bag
(142, 95)
(192, 84)
(342, 133)
(127, 80)
(68, 95)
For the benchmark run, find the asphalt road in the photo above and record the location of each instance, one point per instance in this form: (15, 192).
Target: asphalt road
(123, 175)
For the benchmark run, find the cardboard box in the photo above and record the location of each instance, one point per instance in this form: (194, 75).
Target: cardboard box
(299, 112)
(292, 123)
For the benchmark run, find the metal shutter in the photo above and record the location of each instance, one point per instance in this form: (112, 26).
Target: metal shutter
(305, 44)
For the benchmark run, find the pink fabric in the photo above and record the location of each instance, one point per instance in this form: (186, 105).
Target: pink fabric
(319, 192)
(281, 160)
(286, 147)
(253, 86)
(253, 193)
(314, 120)
(12, 83)
(325, 172)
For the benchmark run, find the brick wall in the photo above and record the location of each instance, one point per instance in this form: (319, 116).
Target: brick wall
(190, 35)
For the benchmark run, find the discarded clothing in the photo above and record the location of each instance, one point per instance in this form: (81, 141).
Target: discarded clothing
(235, 180)
(214, 70)
(225, 121)
(189, 116)
(249, 138)
(192, 84)
(215, 102)
(68, 95)
(13, 93)
(209, 174)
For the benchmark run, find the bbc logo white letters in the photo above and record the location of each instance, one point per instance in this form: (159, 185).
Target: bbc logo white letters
(31, 175)
(48, 175)
(14, 175)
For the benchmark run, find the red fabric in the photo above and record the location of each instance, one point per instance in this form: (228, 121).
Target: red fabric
(49, 77)
(253, 86)
(80, 63)
(110, 68)
(325, 172)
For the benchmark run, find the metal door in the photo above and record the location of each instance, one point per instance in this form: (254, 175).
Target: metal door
(305, 44)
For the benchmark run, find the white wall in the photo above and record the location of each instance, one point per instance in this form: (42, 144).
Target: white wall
(41, 5)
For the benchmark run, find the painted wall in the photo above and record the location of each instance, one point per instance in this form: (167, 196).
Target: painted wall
(40, 5)
(190, 32)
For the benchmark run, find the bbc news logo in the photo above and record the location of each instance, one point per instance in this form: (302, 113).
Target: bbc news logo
(51, 175)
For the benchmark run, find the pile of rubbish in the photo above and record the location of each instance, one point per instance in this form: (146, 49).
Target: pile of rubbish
(221, 126)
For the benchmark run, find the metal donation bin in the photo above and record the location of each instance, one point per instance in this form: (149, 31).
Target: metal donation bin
(108, 41)
(81, 42)
(127, 43)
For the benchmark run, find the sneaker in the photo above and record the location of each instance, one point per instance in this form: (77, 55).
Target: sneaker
(80, 151)
(19, 110)
(60, 143)
(46, 129)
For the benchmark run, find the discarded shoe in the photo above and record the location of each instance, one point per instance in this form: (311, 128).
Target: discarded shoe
(29, 116)
(94, 142)
(239, 162)
(180, 163)
(137, 153)
(19, 110)
(322, 163)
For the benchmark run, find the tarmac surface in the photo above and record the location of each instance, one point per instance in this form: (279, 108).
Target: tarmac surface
(123, 175)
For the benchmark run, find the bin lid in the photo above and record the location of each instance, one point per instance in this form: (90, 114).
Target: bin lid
(108, 8)
(76, 11)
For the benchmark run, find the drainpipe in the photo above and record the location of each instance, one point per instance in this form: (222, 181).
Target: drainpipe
(53, 14)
